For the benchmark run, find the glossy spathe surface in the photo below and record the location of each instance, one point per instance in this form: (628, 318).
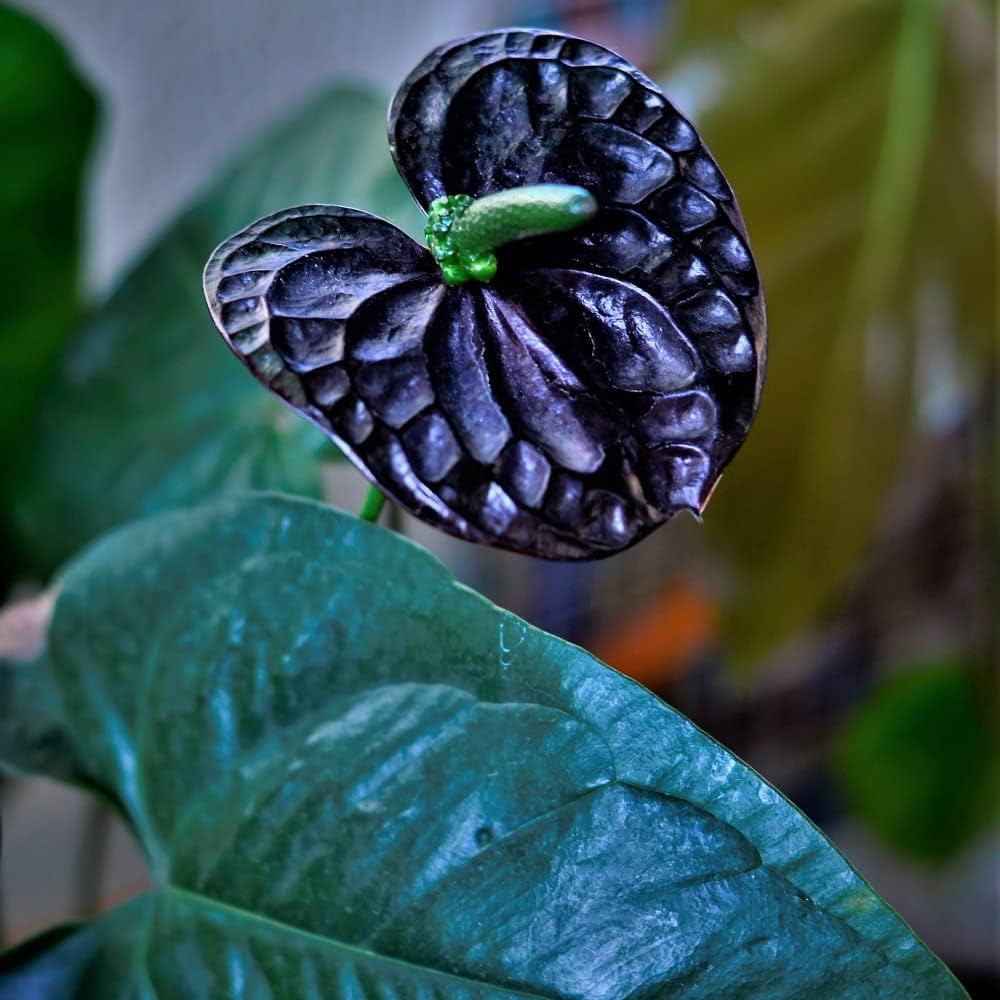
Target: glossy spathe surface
(597, 385)
(459, 807)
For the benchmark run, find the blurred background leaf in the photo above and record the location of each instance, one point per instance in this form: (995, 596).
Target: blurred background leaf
(917, 761)
(149, 410)
(47, 119)
(849, 130)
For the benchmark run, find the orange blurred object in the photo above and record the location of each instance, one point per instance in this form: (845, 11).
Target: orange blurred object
(663, 638)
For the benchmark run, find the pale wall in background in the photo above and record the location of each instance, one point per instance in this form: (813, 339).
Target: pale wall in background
(186, 83)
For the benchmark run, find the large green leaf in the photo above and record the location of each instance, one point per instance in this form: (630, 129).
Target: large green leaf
(922, 747)
(47, 120)
(150, 410)
(354, 777)
(855, 134)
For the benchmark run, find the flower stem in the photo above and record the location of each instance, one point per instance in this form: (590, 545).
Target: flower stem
(372, 507)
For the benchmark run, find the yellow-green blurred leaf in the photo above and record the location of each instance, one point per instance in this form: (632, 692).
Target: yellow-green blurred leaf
(855, 134)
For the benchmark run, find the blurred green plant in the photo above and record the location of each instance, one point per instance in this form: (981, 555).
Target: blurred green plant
(464, 807)
(48, 116)
(149, 410)
(856, 135)
(918, 761)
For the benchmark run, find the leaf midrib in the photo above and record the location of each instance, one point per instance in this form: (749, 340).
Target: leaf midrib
(279, 926)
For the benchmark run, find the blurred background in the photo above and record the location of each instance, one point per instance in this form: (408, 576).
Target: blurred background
(833, 620)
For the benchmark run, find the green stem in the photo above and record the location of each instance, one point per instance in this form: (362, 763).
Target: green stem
(372, 507)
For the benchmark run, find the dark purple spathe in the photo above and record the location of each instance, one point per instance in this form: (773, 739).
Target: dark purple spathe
(597, 385)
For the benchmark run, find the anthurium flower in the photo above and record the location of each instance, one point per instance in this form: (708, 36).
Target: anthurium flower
(579, 349)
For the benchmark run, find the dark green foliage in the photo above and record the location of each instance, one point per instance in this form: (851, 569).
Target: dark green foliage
(917, 761)
(353, 777)
(47, 120)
